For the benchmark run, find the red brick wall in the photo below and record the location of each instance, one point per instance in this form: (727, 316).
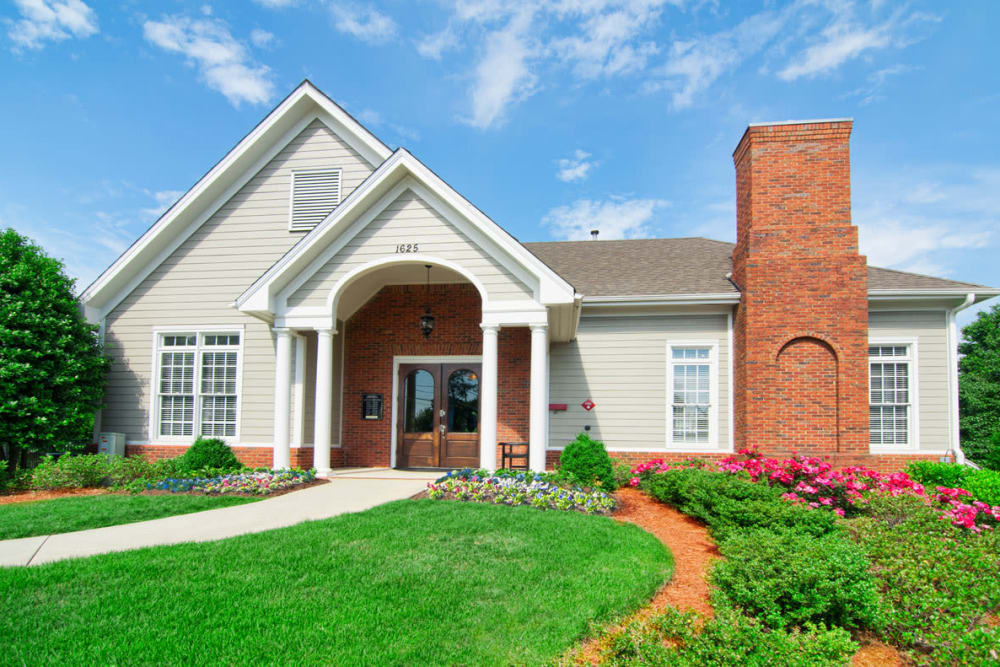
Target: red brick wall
(387, 326)
(803, 290)
(255, 457)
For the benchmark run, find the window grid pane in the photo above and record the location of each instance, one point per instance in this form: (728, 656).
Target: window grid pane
(691, 394)
(212, 392)
(176, 415)
(218, 416)
(889, 395)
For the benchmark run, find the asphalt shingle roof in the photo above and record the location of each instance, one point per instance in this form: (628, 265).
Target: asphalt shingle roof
(645, 267)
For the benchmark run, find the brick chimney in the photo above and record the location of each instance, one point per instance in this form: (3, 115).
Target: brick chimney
(801, 328)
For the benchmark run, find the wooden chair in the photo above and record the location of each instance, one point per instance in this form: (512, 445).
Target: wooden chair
(517, 460)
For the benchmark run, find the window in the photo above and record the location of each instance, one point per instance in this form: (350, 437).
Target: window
(315, 193)
(890, 394)
(693, 394)
(197, 384)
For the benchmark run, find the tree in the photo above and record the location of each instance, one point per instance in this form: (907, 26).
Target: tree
(979, 388)
(52, 367)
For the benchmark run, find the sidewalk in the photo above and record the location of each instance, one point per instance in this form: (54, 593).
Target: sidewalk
(349, 490)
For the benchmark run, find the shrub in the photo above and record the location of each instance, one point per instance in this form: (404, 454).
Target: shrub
(984, 485)
(588, 461)
(125, 469)
(938, 474)
(729, 502)
(673, 638)
(3, 475)
(74, 472)
(787, 578)
(210, 453)
(51, 361)
(936, 581)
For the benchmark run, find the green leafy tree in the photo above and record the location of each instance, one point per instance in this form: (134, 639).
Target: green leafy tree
(979, 388)
(52, 368)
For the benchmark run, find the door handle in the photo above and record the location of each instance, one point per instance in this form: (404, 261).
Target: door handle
(441, 413)
(442, 427)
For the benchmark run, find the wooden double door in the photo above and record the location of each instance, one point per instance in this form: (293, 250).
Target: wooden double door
(438, 421)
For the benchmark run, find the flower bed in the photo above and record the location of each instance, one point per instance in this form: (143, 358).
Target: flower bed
(505, 488)
(259, 483)
(812, 482)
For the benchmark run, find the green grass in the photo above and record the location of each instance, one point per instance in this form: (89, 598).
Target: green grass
(63, 515)
(410, 582)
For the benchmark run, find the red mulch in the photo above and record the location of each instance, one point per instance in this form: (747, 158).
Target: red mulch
(29, 496)
(693, 552)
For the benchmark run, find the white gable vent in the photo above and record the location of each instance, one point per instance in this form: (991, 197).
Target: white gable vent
(315, 193)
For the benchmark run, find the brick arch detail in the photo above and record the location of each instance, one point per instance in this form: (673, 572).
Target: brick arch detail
(806, 393)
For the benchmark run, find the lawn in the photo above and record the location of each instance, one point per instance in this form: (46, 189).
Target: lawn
(63, 515)
(410, 582)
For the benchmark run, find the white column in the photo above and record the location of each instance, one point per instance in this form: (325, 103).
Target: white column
(282, 398)
(324, 399)
(538, 427)
(488, 400)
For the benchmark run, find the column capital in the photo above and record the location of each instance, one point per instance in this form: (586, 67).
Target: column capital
(282, 331)
(490, 328)
(325, 331)
(543, 328)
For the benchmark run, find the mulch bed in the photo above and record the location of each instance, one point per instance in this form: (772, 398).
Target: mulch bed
(50, 494)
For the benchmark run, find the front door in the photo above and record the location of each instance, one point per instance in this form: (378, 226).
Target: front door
(438, 422)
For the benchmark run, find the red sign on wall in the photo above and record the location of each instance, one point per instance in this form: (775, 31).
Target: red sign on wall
(588, 405)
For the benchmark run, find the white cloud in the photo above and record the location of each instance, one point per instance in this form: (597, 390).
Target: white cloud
(50, 21)
(275, 4)
(261, 38)
(575, 168)
(164, 199)
(616, 218)
(875, 82)
(917, 221)
(434, 46)
(364, 23)
(502, 76)
(223, 62)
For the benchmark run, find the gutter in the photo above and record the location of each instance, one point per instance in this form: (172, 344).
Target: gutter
(952, 334)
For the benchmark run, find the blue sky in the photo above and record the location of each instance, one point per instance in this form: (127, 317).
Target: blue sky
(549, 115)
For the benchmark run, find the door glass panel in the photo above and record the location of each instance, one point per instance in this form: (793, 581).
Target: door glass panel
(463, 402)
(418, 402)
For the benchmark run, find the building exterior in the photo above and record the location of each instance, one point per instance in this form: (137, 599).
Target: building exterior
(281, 304)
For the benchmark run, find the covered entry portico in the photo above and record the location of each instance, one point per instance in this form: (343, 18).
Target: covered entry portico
(356, 283)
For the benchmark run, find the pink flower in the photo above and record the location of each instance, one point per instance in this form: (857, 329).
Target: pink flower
(634, 481)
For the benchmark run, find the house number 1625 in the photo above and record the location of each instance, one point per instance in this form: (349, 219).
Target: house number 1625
(407, 247)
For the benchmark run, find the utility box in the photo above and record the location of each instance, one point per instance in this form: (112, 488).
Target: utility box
(111, 444)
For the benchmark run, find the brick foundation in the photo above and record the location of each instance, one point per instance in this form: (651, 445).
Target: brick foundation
(254, 457)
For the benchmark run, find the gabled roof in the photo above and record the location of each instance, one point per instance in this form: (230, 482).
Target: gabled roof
(694, 267)
(262, 298)
(302, 106)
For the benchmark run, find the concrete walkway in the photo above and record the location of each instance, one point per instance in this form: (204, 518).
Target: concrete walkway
(348, 490)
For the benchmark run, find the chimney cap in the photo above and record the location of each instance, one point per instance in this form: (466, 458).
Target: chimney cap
(594, 233)
(812, 121)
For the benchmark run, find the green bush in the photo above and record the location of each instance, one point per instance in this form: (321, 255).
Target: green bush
(72, 472)
(125, 469)
(3, 475)
(730, 503)
(673, 638)
(984, 484)
(210, 453)
(938, 474)
(622, 473)
(588, 461)
(789, 578)
(936, 581)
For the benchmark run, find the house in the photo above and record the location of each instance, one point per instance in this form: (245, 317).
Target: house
(318, 299)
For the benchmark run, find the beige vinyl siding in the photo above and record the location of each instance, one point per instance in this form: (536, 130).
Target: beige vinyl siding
(929, 328)
(409, 219)
(620, 363)
(198, 283)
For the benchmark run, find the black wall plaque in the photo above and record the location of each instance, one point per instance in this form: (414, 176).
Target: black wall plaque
(371, 406)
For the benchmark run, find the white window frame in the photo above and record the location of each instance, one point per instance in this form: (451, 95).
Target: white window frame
(154, 394)
(713, 395)
(291, 192)
(912, 417)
